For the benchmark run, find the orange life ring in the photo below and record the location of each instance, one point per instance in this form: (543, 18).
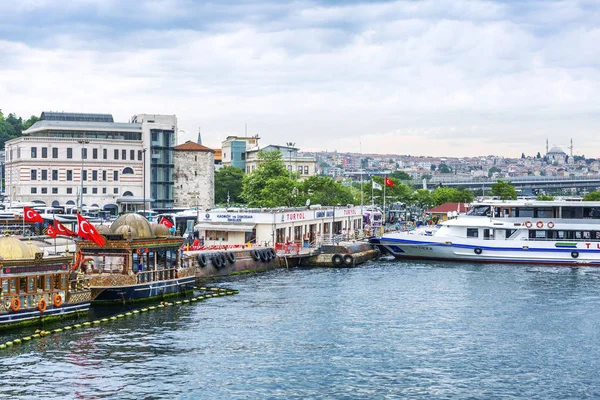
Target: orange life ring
(539, 224)
(42, 304)
(528, 224)
(15, 304)
(550, 225)
(57, 300)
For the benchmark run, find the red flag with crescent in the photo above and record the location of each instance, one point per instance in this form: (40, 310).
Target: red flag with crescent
(62, 230)
(164, 221)
(87, 231)
(51, 231)
(389, 182)
(30, 215)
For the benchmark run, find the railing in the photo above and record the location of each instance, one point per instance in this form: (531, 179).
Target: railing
(156, 275)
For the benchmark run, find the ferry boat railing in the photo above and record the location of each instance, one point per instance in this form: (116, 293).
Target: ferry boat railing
(156, 275)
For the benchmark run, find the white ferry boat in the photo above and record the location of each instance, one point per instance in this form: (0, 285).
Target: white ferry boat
(535, 232)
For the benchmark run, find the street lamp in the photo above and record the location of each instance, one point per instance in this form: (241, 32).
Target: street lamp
(82, 143)
(290, 146)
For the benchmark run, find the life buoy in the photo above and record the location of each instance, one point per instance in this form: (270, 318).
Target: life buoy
(348, 259)
(231, 257)
(550, 225)
(337, 259)
(202, 260)
(42, 304)
(528, 224)
(255, 255)
(574, 254)
(539, 224)
(15, 304)
(477, 250)
(57, 300)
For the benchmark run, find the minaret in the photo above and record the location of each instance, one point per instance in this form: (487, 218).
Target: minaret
(546, 145)
(199, 136)
(571, 147)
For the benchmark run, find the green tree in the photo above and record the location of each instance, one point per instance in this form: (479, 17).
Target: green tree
(228, 181)
(32, 120)
(492, 170)
(444, 169)
(400, 176)
(504, 190)
(433, 167)
(538, 155)
(593, 196)
(544, 197)
(423, 199)
(325, 191)
(267, 185)
(522, 155)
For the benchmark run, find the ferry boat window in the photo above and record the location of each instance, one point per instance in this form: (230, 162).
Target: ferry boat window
(22, 285)
(591, 212)
(64, 282)
(572, 212)
(5, 287)
(509, 232)
(535, 234)
(525, 212)
(472, 232)
(543, 212)
(12, 285)
(48, 285)
(586, 235)
(577, 235)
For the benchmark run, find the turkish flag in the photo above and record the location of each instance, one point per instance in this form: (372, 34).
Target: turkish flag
(62, 230)
(389, 182)
(87, 231)
(31, 215)
(164, 221)
(51, 231)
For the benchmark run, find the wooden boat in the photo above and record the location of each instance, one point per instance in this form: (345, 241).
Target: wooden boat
(139, 261)
(36, 288)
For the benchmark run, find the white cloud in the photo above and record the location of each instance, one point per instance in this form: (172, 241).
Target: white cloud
(468, 78)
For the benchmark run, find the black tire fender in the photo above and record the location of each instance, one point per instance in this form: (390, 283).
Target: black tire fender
(337, 259)
(202, 259)
(574, 254)
(348, 259)
(477, 250)
(231, 257)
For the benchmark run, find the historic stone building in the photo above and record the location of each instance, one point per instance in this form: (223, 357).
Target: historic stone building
(194, 176)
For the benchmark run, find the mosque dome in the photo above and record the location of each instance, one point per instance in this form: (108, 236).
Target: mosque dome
(11, 249)
(136, 223)
(102, 229)
(556, 150)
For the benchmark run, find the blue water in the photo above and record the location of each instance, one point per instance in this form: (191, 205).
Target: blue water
(384, 330)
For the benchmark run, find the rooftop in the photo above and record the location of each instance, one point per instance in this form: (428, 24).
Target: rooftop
(81, 117)
(192, 146)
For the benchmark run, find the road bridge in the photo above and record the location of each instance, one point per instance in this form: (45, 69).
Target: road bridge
(546, 183)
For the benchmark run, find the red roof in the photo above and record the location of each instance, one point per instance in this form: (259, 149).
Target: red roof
(444, 208)
(192, 146)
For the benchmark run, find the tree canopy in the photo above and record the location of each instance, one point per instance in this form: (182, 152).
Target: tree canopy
(12, 126)
(504, 190)
(228, 180)
(593, 196)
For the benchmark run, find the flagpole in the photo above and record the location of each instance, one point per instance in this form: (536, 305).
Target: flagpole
(384, 185)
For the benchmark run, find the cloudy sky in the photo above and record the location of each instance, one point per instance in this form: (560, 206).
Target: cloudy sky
(455, 78)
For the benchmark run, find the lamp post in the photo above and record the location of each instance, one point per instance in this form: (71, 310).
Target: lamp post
(82, 143)
(290, 146)
(144, 183)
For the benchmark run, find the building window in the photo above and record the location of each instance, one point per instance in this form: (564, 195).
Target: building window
(34, 152)
(139, 155)
(84, 190)
(127, 170)
(115, 176)
(124, 154)
(104, 175)
(44, 190)
(69, 174)
(300, 169)
(116, 190)
(54, 190)
(54, 174)
(44, 175)
(55, 152)
(94, 190)
(103, 190)
(33, 190)
(69, 190)
(44, 152)
(95, 154)
(132, 154)
(94, 175)
(116, 154)
(104, 154)
(84, 153)
(33, 174)
(243, 156)
(306, 170)
(85, 175)
(69, 152)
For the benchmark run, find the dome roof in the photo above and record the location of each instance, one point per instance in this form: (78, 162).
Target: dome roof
(160, 230)
(102, 229)
(140, 227)
(556, 150)
(11, 249)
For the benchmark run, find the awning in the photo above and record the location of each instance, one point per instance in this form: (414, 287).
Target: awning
(225, 227)
(133, 200)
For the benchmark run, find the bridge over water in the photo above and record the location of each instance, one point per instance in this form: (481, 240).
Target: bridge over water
(547, 183)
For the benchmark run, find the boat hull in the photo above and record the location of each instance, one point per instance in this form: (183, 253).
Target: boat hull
(142, 291)
(32, 316)
(489, 251)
